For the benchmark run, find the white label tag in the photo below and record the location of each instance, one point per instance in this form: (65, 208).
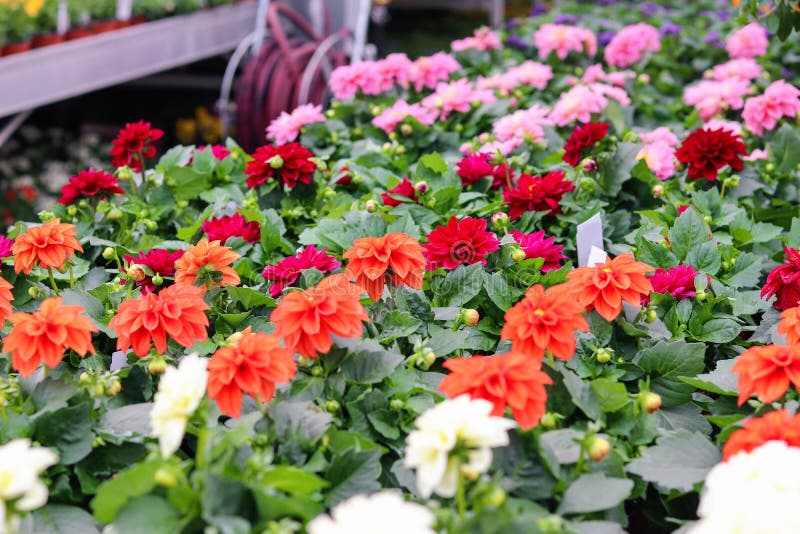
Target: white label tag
(124, 9)
(596, 255)
(119, 360)
(62, 18)
(589, 234)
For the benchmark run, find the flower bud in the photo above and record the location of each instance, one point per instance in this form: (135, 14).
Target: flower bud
(707, 219)
(552, 524)
(33, 292)
(234, 338)
(332, 406)
(109, 253)
(598, 448)
(732, 181)
(700, 295)
(45, 215)
(650, 402)
(114, 388)
(421, 186)
(157, 279)
(114, 214)
(98, 390)
(276, 162)
(124, 173)
(651, 316)
(85, 378)
(769, 167)
(72, 211)
(496, 498)
(406, 129)
(468, 473)
(400, 150)
(429, 357)
(431, 203)
(658, 190)
(370, 206)
(603, 355)
(517, 255)
(157, 366)
(586, 184)
(643, 78)
(588, 165)
(500, 219)
(330, 113)
(549, 420)
(470, 317)
(316, 370)
(136, 272)
(397, 404)
(165, 477)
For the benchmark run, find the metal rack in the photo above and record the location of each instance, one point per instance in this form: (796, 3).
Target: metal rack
(46, 75)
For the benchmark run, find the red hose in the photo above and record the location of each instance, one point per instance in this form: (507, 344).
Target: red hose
(270, 81)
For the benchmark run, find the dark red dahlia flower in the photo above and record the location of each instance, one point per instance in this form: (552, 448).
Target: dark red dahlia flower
(536, 245)
(403, 189)
(682, 208)
(464, 241)
(537, 193)
(135, 138)
(784, 281)
(90, 183)
(707, 151)
(231, 226)
(583, 137)
(476, 166)
(678, 281)
(288, 270)
(292, 163)
(160, 261)
(344, 178)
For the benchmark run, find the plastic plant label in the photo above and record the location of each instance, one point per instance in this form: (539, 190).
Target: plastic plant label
(124, 9)
(589, 234)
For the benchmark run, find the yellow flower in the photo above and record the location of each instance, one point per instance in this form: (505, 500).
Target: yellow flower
(32, 7)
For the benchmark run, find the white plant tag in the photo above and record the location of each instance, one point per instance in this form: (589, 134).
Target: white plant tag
(124, 9)
(589, 234)
(596, 255)
(119, 360)
(62, 18)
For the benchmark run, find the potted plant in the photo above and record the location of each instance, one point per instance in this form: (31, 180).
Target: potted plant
(46, 24)
(19, 25)
(79, 19)
(103, 13)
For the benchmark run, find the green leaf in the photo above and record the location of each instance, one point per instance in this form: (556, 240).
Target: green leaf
(611, 395)
(666, 362)
(688, 232)
(718, 331)
(414, 302)
(581, 392)
(188, 182)
(498, 290)
(62, 519)
(398, 324)
(745, 272)
(367, 362)
(684, 417)
(272, 231)
(92, 307)
(705, 258)
(655, 255)
(678, 461)
(69, 430)
(444, 341)
(434, 162)
(722, 380)
(250, 298)
(148, 515)
(594, 492)
(460, 285)
(353, 473)
(618, 169)
(116, 492)
(784, 149)
(130, 423)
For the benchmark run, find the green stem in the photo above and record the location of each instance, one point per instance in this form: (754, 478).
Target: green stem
(722, 191)
(580, 462)
(461, 499)
(201, 446)
(52, 280)
(141, 165)
(71, 276)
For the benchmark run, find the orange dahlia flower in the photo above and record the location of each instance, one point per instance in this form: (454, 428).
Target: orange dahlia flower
(604, 286)
(48, 245)
(307, 319)
(790, 325)
(512, 379)
(5, 301)
(253, 364)
(767, 371)
(373, 258)
(773, 426)
(545, 319)
(207, 264)
(176, 311)
(46, 334)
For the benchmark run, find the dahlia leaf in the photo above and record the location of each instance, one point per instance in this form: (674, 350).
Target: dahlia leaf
(594, 492)
(678, 461)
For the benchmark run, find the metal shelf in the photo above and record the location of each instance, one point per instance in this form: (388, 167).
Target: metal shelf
(46, 75)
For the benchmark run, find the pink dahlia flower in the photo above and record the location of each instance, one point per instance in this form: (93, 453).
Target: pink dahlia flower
(536, 245)
(523, 125)
(287, 271)
(743, 68)
(660, 158)
(456, 96)
(483, 39)
(563, 39)
(391, 117)
(662, 133)
(750, 41)
(631, 43)
(763, 112)
(286, 127)
(222, 228)
(428, 71)
(713, 97)
(577, 104)
(677, 281)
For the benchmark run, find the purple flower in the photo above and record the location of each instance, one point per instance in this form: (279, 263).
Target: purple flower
(515, 41)
(670, 28)
(565, 18)
(722, 15)
(648, 9)
(603, 38)
(538, 10)
(512, 23)
(713, 39)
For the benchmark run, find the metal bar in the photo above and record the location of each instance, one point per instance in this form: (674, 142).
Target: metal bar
(54, 73)
(12, 125)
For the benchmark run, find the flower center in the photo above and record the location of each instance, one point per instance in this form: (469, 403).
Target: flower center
(538, 312)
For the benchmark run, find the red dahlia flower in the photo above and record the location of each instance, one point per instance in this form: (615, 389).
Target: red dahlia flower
(707, 151)
(89, 184)
(218, 151)
(5, 246)
(135, 138)
(160, 261)
(292, 163)
(220, 229)
(403, 189)
(583, 137)
(536, 245)
(464, 241)
(476, 166)
(537, 193)
(784, 281)
(287, 271)
(677, 281)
